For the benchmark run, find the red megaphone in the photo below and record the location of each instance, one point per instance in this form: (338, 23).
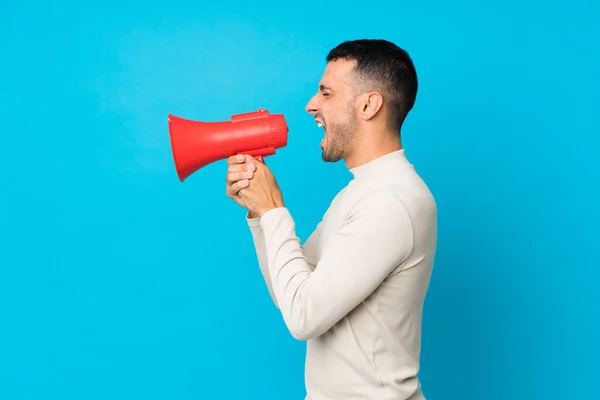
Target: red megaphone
(195, 144)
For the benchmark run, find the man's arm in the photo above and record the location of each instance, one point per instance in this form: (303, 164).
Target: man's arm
(258, 237)
(376, 237)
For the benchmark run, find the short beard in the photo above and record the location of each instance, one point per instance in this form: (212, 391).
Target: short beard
(339, 137)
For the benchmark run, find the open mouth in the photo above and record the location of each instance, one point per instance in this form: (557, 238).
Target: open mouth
(320, 125)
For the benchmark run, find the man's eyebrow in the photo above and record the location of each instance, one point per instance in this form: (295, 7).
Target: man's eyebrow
(323, 87)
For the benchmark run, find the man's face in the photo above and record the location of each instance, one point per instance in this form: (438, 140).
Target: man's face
(333, 109)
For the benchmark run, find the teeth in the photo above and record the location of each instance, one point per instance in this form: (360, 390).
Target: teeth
(319, 125)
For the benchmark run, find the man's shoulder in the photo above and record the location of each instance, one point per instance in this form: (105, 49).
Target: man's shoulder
(398, 194)
(412, 191)
(409, 189)
(398, 198)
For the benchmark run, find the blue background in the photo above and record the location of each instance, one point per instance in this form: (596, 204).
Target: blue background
(119, 282)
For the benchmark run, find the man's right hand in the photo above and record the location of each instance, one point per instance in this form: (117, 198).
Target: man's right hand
(239, 172)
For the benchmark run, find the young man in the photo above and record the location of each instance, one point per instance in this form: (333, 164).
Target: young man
(355, 290)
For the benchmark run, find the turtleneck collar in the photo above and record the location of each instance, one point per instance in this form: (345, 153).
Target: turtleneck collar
(376, 165)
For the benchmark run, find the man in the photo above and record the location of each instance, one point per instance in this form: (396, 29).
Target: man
(355, 290)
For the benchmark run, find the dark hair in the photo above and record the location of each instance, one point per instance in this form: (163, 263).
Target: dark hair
(382, 65)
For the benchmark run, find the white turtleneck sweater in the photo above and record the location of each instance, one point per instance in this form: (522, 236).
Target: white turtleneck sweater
(355, 289)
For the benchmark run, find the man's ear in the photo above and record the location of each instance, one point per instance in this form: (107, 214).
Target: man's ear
(371, 103)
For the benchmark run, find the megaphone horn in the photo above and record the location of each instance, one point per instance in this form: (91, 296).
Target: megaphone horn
(196, 144)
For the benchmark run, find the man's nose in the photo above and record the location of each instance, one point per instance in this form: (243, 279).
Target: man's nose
(312, 106)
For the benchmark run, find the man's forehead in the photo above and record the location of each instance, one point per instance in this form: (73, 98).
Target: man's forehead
(337, 73)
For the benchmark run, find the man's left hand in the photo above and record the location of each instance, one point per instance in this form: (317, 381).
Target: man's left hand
(261, 193)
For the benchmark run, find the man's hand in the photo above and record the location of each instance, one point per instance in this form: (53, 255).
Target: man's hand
(252, 185)
(239, 172)
(261, 193)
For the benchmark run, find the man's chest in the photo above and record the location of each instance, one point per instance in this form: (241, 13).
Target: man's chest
(334, 219)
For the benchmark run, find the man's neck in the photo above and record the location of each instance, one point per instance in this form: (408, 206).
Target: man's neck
(365, 151)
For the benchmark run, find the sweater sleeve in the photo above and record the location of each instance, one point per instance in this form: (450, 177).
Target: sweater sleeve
(373, 240)
(309, 250)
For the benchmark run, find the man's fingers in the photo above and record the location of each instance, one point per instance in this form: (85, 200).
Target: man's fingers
(235, 172)
(237, 159)
(233, 177)
(240, 170)
(239, 185)
(254, 161)
(232, 191)
(236, 187)
(241, 158)
(248, 166)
